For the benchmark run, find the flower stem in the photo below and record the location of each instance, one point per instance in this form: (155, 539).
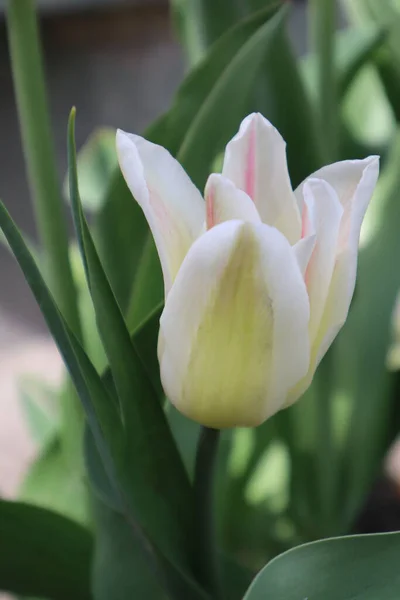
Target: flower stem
(206, 557)
(30, 92)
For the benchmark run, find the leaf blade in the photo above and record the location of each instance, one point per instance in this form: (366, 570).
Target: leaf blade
(43, 553)
(347, 568)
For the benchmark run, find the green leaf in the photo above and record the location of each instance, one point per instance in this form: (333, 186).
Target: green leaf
(43, 554)
(204, 86)
(280, 95)
(145, 339)
(203, 140)
(100, 409)
(51, 483)
(99, 406)
(365, 380)
(97, 162)
(150, 469)
(98, 478)
(120, 571)
(359, 567)
(38, 402)
(120, 231)
(118, 547)
(236, 579)
(354, 47)
(366, 110)
(201, 22)
(105, 194)
(186, 433)
(389, 72)
(148, 287)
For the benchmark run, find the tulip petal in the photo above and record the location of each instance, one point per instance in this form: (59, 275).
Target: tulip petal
(325, 213)
(224, 202)
(354, 182)
(303, 250)
(172, 205)
(255, 161)
(234, 330)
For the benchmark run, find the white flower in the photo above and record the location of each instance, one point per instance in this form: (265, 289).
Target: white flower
(258, 278)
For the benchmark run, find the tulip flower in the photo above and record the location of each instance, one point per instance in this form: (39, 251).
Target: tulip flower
(258, 277)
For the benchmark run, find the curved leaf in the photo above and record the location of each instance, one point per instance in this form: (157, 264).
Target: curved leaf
(43, 554)
(354, 568)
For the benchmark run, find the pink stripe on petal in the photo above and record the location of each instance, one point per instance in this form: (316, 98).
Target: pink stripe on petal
(210, 208)
(250, 169)
(305, 221)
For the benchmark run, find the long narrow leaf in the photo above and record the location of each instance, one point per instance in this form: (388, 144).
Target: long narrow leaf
(204, 138)
(152, 470)
(99, 408)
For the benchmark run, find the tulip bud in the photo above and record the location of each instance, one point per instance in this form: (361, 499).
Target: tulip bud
(258, 278)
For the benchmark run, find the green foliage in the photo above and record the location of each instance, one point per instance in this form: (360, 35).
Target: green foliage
(38, 402)
(52, 483)
(43, 554)
(369, 384)
(151, 468)
(360, 567)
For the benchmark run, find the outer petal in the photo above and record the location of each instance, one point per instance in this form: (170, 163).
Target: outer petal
(354, 182)
(233, 332)
(325, 213)
(224, 202)
(255, 160)
(172, 205)
(354, 196)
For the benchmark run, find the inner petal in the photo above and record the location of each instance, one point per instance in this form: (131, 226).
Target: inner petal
(255, 161)
(225, 202)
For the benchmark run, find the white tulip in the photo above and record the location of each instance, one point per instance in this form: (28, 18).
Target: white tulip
(258, 278)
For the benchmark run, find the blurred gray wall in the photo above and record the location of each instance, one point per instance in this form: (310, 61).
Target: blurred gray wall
(119, 66)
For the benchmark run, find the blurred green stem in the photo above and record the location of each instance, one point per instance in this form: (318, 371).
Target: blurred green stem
(29, 84)
(326, 454)
(322, 28)
(206, 547)
(33, 113)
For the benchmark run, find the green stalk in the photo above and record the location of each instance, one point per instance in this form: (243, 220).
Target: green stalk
(30, 92)
(206, 547)
(326, 456)
(322, 27)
